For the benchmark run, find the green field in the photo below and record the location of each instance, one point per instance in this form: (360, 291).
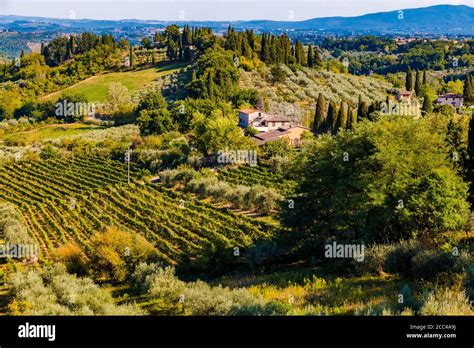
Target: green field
(48, 132)
(95, 88)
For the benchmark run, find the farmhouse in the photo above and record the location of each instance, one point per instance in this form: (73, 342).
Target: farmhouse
(404, 96)
(291, 133)
(271, 127)
(261, 121)
(452, 99)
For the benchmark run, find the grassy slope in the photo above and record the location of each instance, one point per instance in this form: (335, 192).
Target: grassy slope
(52, 131)
(95, 88)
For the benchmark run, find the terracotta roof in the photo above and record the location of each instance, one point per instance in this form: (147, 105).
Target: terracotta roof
(450, 95)
(272, 118)
(248, 111)
(271, 134)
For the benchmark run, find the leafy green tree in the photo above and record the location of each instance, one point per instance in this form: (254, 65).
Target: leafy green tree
(118, 97)
(278, 74)
(146, 43)
(385, 181)
(219, 132)
(151, 101)
(156, 121)
(427, 107)
(217, 76)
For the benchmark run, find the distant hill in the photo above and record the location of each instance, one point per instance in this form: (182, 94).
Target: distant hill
(439, 19)
(434, 19)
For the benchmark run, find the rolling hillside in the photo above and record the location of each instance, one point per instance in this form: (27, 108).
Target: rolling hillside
(95, 88)
(68, 201)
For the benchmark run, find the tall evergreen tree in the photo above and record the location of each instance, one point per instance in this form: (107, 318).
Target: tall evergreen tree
(331, 120)
(417, 82)
(409, 80)
(320, 114)
(467, 90)
(299, 53)
(362, 109)
(265, 49)
(318, 62)
(425, 77)
(132, 56)
(310, 56)
(341, 117)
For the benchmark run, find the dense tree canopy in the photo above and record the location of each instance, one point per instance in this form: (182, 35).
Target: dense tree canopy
(383, 182)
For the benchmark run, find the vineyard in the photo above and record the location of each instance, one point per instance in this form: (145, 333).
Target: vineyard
(68, 201)
(258, 175)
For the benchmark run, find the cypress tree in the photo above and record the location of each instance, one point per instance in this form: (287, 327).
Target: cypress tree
(320, 114)
(342, 117)
(132, 60)
(318, 62)
(409, 80)
(417, 83)
(467, 90)
(299, 53)
(331, 120)
(362, 110)
(210, 85)
(425, 77)
(73, 44)
(310, 56)
(351, 118)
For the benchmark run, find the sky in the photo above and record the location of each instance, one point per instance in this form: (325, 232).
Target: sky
(220, 10)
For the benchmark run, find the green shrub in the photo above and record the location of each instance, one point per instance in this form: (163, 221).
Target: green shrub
(430, 263)
(446, 302)
(199, 298)
(399, 258)
(54, 292)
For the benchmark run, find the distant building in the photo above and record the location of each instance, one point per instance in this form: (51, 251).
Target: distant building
(261, 121)
(291, 133)
(404, 41)
(404, 96)
(452, 99)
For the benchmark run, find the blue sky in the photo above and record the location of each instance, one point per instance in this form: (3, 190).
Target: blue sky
(224, 10)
